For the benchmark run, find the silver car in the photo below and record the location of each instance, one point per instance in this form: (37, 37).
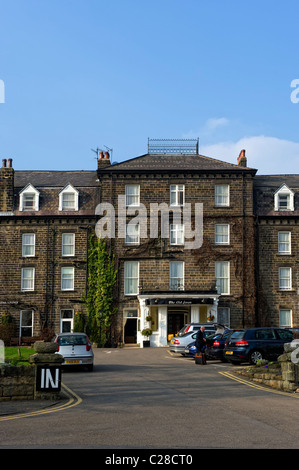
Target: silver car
(76, 349)
(178, 343)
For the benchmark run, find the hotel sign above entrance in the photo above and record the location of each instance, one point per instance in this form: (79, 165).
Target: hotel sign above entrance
(199, 301)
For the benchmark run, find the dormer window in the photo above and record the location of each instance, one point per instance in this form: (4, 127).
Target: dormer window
(29, 198)
(284, 199)
(69, 199)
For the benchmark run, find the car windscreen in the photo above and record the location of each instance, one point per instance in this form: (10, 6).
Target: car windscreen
(72, 340)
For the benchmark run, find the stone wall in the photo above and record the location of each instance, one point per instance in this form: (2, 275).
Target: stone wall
(20, 382)
(282, 375)
(17, 382)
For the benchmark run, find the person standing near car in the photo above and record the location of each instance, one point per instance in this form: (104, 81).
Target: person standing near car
(200, 340)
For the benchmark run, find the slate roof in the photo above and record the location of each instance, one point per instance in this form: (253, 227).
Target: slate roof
(153, 162)
(265, 186)
(55, 178)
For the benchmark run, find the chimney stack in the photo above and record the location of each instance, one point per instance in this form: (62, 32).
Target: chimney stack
(6, 186)
(242, 160)
(103, 161)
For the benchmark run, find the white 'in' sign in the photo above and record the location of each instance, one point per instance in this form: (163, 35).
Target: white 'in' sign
(47, 379)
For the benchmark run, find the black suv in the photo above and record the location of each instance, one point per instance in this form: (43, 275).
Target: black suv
(253, 344)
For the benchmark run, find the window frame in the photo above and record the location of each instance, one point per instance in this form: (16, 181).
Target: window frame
(218, 195)
(174, 281)
(27, 279)
(63, 245)
(288, 243)
(285, 191)
(128, 195)
(29, 190)
(281, 279)
(227, 242)
(26, 326)
(132, 226)
(178, 191)
(130, 291)
(176, 234)
(220, 280)
(69, 189)
(26, 245)
(69, 320)
(290, 312)
(64, 279)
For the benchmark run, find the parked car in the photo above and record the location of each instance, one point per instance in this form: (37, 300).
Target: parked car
(76, 349)
(215, 346)
(178, 343)
(250, 345)
(210, 328)
(190, 349)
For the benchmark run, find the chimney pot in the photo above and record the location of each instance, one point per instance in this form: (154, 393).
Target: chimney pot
(9, 163)
(242, 160)
(107, 155)
(4, 163)
(101, 155)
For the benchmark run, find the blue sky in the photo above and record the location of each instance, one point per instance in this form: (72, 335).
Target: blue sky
(85, 73)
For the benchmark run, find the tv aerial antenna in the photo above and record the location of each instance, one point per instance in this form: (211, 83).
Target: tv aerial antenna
(98, 150)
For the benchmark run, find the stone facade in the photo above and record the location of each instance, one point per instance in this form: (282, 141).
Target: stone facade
(277, 235)
(198, 176)
(36, 251)
(231, 276)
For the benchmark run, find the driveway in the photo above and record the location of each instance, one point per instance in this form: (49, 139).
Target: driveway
(151, 399)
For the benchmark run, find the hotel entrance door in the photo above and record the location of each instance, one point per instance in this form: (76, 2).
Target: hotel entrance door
(176, 319)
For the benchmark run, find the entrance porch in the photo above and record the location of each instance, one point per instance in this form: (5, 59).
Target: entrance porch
(165, 313)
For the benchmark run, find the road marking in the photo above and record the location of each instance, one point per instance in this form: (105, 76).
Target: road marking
(74, 400)
(259, 387)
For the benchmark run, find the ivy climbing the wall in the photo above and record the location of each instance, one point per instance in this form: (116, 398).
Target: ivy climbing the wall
(99, 298)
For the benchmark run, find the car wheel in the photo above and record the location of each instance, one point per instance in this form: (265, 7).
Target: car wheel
(254, 356)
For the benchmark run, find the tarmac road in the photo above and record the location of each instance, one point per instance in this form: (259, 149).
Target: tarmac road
(152, 399)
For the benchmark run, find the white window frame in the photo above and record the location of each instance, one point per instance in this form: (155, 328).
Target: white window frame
(26, 326)
(66, 277)
(222, 195)
(177, 234)
(222, 279)
(222, 235)
(177, 194)
(284, 246)
(27, 281)
(69, 320)
(285, 312)
(31, 191)
(131, 283)
(132, 238)
(65, 245)
(69, 189)
(284, 191)
(26, 245)
(285, 281)
(176, 282)
(132, 198)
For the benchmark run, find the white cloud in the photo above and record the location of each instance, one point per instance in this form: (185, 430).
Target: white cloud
(269, 155)
(211, 126)
(214, 123)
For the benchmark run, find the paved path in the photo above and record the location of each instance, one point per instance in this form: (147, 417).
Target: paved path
(149, 398)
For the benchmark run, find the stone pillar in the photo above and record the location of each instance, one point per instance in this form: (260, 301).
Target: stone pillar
(47, 371)
(289, 366)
